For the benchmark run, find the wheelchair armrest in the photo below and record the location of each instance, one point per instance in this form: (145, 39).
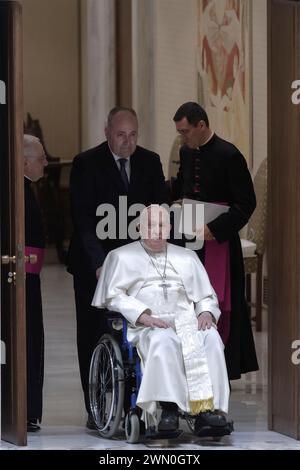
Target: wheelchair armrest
(111, 315)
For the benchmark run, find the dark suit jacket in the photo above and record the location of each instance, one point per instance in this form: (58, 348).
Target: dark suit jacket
(34, 231)
(95, 179)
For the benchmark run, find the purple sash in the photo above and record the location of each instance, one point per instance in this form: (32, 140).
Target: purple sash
(36, 267)
(217, 265)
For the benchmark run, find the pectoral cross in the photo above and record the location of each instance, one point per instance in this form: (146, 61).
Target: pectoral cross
(165, 288)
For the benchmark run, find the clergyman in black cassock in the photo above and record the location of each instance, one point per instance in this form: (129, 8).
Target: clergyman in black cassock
(35, 161)
(213, 170)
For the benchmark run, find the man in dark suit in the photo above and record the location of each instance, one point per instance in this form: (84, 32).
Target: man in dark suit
(116, 168)
(34, 162)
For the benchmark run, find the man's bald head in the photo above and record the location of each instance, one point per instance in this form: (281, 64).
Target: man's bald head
(121, 131)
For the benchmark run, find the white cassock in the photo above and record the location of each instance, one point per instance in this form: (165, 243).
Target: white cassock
(180, 364)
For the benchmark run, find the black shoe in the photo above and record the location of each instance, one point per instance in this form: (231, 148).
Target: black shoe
(169, 421)
(90, 424)
(209, 419)
(32, 425)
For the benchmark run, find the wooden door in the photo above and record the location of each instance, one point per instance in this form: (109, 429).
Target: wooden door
(13, 326)
(284, 217)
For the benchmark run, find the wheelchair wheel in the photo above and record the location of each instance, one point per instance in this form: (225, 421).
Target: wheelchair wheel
(106, 386)
(132, 428)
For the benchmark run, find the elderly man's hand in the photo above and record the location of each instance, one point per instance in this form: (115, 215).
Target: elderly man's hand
(204, 233)
(152, 322)
(205, 320)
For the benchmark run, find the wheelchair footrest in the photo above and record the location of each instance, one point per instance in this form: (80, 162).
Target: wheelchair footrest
(215, 431)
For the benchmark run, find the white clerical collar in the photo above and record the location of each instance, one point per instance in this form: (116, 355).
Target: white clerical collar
(27, 177)
(207, 140)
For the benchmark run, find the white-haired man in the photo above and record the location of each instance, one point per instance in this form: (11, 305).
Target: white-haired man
(172, 310)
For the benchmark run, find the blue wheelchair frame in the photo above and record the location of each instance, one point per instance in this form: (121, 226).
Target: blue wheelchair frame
(133, 359)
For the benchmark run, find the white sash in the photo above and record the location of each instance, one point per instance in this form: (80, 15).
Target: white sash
(195, 362)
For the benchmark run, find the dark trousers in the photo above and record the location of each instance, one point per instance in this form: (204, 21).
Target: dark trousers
(34, 346)
(91, 324)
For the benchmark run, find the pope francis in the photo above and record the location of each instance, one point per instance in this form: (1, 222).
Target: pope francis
(164, 293)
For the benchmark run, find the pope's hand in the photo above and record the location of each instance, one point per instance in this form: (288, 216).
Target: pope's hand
(152, 322)
(205, 320)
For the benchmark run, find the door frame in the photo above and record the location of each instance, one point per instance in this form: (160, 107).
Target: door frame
(13, 320)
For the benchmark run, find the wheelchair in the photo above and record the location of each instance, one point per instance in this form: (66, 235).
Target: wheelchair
(114, 381)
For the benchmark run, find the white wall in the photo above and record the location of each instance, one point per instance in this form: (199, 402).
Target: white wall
(175, 78)
(143, 69)
(97, 68)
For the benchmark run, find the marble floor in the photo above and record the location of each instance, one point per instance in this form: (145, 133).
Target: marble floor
(64, 417)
